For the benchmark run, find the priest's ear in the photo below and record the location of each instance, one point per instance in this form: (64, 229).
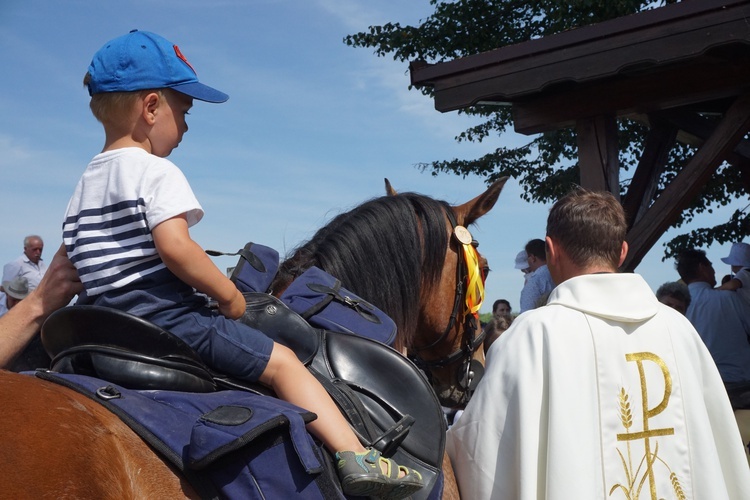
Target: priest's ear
(552, 249)
(623, 253)
(554, 260)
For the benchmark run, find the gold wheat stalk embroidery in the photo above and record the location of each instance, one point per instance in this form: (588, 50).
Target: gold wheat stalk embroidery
(626, 418)
(677, 486)
(631, 490)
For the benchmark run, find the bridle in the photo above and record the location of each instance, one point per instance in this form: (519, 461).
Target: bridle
(472, 370)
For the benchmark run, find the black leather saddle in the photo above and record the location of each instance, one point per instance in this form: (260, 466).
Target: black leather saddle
(121, 348)
(385, 397)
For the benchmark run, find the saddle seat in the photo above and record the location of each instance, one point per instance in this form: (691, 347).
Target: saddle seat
(124, 349)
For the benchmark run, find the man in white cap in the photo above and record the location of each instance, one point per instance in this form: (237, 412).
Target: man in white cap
(722, 320)
(522, 264)
(739, 260)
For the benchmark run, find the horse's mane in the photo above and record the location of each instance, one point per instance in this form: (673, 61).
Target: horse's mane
(388, 250)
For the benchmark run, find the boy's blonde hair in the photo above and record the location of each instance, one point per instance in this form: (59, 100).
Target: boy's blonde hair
(109, 107)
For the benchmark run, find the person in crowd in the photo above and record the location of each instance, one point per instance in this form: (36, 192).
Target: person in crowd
(675, 294)
(15, 291)
(522, 264)
(538, 282)
(603, 390)
(58, 286)
(33, 356)
(29, 265)
(142, 88)
(501, 307)
(739, 262)
(722, 319)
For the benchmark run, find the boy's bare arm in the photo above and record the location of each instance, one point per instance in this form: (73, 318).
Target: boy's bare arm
(187, 260)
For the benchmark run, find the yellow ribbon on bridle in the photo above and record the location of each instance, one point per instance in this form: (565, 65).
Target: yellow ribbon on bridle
(475, 279)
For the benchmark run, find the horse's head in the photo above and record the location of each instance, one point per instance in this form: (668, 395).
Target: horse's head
(448, 340)
(407, 255)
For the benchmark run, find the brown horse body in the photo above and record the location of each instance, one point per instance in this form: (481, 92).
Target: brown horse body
(58, 443)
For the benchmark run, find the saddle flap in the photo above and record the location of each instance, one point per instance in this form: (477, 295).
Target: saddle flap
(269, 315)
(399, 390)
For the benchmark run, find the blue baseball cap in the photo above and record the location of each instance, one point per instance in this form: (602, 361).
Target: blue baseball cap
(141, 60)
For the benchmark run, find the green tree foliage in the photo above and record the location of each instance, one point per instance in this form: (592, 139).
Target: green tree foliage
(546, 166)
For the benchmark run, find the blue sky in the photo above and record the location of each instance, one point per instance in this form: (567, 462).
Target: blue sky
(312, 127)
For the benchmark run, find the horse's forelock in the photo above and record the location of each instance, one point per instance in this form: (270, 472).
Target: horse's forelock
(385, 250)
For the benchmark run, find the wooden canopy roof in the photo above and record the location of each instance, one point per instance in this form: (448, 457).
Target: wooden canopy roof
(683, 69)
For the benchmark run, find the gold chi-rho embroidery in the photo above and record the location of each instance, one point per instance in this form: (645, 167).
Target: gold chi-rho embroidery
(632, 488)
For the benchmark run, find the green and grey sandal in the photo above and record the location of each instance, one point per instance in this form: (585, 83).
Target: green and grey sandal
(361, 475)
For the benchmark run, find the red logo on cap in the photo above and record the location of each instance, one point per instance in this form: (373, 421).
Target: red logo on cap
(184, 59)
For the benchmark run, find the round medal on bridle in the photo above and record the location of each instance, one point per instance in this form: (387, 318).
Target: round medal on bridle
(462, 235)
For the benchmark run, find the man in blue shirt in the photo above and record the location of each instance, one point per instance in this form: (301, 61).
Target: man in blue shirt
(722, 319)
(538, 281)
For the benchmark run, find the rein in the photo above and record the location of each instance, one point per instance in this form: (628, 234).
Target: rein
(468, 275)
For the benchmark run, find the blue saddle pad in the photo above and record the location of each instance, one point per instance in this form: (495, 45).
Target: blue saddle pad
(228, 444)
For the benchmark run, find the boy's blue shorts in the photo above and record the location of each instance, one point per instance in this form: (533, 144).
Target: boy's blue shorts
(225, 345)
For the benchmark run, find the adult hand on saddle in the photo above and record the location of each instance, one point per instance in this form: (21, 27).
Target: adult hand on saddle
(60, 283)
(235, 307)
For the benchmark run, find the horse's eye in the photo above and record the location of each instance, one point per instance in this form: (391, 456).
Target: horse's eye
(486, 270)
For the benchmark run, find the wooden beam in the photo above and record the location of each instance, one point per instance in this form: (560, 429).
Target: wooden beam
(660, 140)
(639, 93)
(689, 182)
(598, 160)
(700, 129)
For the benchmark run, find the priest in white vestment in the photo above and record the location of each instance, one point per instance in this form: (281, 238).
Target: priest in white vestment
(604, 393)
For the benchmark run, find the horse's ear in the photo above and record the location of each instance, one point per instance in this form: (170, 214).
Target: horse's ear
(472, 210)
(389, 189)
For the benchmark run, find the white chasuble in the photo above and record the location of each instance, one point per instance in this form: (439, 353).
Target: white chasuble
(604, 393)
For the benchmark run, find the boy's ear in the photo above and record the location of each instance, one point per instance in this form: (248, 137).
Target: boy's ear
(150, 105)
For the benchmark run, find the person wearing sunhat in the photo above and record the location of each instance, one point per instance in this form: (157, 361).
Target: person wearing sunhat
(15, 291)
(739, 261)
(522, 263)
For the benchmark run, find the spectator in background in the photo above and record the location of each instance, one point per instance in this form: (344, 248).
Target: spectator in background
(501, 319)
(15, 291)
(674, 294)
(538, 281)
(522, 264)
(739, 262)
(501, 307)
(722, 319)
(29, 265)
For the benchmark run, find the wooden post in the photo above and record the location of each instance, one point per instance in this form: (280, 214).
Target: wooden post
(598, 154)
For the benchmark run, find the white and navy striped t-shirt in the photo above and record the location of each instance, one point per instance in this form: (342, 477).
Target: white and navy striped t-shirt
(120, 197)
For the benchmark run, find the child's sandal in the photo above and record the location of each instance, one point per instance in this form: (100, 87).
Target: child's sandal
(361, 475)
